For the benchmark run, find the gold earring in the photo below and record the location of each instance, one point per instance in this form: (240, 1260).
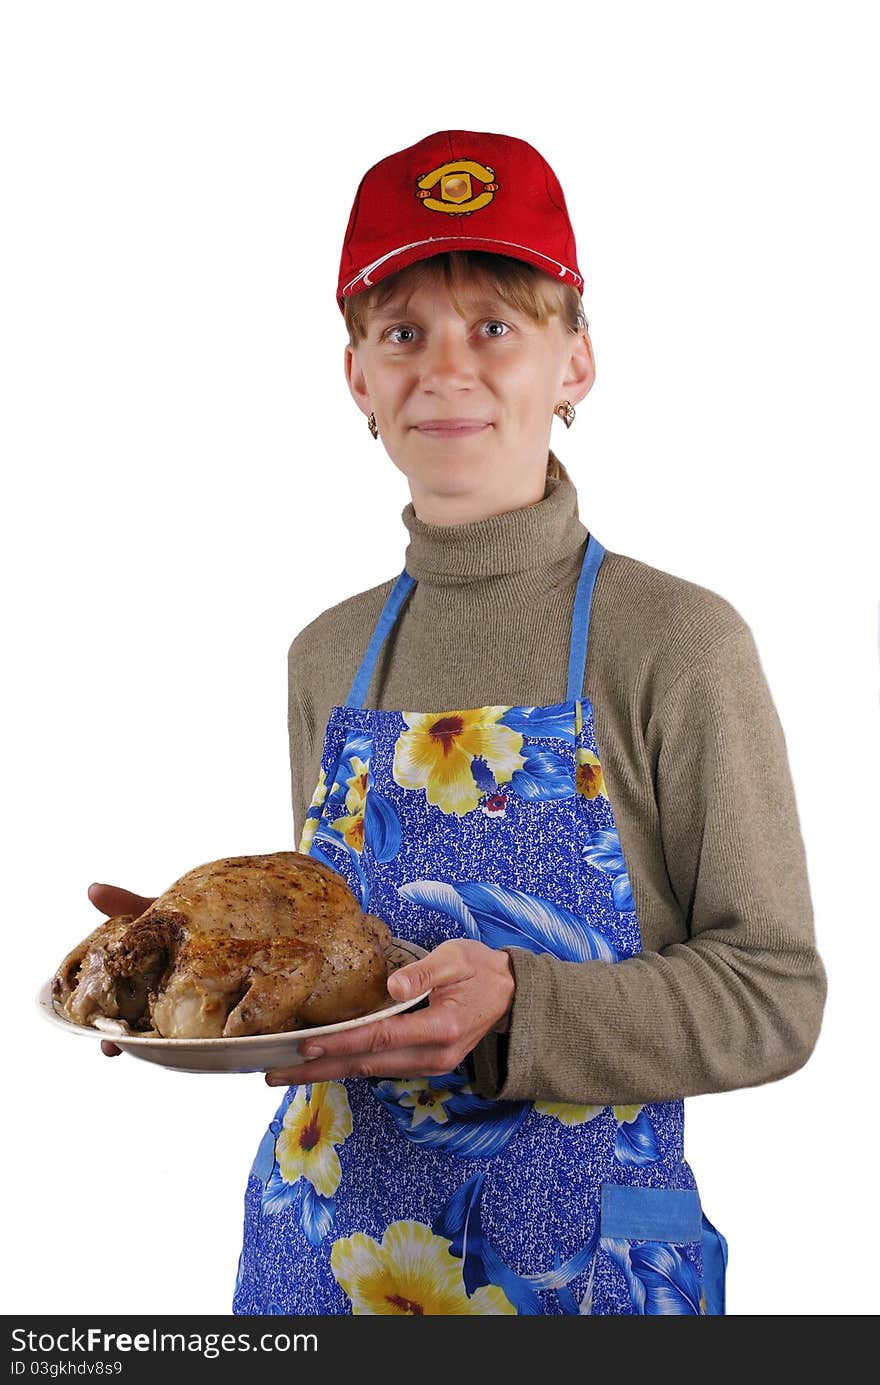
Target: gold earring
(565, 411)
(373, 425)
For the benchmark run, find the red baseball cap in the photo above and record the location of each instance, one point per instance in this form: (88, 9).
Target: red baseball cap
(457, 190)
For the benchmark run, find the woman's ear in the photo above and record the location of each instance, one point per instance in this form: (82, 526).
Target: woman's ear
(580, 370)
(357, 381)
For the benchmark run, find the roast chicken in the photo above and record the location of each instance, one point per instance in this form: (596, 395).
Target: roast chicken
(245, 945)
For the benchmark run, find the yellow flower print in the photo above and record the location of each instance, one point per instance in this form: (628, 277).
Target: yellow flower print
(426, 1102)
(320, 790)
(310, 827)
(566, 1113)
(626, 1113)
(351, 827)
(589, 779)
(579, 1115)
(356, 797)
(435, 754)
(412, 1273)
(311, 1128)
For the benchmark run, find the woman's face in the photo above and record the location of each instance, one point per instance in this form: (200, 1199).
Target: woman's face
(464, 404)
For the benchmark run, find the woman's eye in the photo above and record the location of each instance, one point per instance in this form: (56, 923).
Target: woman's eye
(403, 335)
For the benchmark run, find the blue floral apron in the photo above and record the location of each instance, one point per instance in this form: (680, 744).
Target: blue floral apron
(417, 1195)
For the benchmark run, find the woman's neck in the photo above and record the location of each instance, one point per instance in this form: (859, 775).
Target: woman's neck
(532, 539)
(444, 509)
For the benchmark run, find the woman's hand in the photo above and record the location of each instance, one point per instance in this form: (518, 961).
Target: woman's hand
(472, 990)
(113, 900)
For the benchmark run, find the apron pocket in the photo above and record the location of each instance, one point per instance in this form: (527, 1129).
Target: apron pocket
(671, 1257)
(650, 1214)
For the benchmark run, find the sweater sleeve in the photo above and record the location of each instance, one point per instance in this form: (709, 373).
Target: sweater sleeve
(739, 1002)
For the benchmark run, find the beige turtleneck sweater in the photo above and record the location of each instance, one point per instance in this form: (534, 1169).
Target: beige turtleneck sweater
(729, 989)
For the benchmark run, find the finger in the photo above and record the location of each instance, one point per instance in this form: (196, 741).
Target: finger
(109, 1049)
(113, 900)
(401, 1063)
(404, 1043)
(434, 1027)
(444, 965)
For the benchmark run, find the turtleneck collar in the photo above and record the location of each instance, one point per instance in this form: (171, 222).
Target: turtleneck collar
(536, 536)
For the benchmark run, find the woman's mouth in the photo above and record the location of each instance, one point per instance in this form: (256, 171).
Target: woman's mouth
(451, 427)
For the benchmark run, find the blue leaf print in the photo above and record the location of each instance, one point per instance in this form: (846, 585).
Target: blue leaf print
(636, 1141)
(563, 1274)
(522, 1289)
(278, 1194)
(618, 1251)
(460, 1223)
(671, 1284)
(357, 745)
(348, 867)
(502, 917)
(545, 775)
(521, 1293)
(567, 1301)
(555, 721)
(483, 776)
(507, 916)
(659, 1280)
(333, 807)
(436, 894)
(319, 855)
(587, 1300)
(382, 832)
(603, 850)
(469, 1104)
(317, 1214)
(363, 881)
(470, 1133)
(621, 893)
(265, 1157)
(446, 1081)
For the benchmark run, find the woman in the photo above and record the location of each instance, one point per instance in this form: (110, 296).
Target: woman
(558, 770)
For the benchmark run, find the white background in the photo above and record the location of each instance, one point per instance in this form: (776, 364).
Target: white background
(188, 482)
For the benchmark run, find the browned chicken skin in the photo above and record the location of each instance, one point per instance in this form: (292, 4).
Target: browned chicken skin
(244, 945)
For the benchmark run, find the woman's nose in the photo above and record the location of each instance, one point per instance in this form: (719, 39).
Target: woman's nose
(447, 362)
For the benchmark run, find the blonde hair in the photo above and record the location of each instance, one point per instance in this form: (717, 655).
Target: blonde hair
(521, 286)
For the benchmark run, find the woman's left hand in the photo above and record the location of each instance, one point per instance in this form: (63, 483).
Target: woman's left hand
(471, 989)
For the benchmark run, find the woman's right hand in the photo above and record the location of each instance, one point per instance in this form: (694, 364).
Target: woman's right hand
(113, 900)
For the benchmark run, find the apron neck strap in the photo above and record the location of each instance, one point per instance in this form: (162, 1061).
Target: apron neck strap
(396, 598)
(580, 621)
(577, 659)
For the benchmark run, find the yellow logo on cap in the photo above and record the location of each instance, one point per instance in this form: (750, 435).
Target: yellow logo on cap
(456, 190)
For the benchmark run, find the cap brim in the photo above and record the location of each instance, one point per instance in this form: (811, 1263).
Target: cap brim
(405, 255)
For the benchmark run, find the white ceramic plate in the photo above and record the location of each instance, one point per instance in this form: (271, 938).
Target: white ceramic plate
(251, 1052)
